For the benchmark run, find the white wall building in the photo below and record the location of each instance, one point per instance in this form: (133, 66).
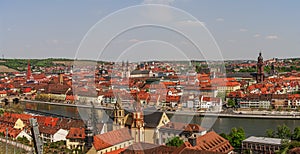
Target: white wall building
(60, 135)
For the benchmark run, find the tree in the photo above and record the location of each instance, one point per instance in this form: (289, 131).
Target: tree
(231, 103)
(23, 140)
(296, 134)
(224, 135)
(270, 133)
(283, 132)
(288, 146)
(1, 111)
(175, 141)
(236, 136)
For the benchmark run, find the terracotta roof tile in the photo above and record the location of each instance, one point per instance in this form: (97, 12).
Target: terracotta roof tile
(108, 139)
(76, 133)
(213, 142)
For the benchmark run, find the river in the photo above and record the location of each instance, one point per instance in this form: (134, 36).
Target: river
(252, 126)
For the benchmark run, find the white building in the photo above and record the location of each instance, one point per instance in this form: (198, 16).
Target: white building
(255, 104)
(24, 134)
(60, 135)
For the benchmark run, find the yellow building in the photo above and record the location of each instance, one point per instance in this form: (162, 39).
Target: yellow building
(151, 124)
(19, 124)
(76, 139)
(228, 87)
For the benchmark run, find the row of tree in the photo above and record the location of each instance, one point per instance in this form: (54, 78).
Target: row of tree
(284, 132)
(237, 135)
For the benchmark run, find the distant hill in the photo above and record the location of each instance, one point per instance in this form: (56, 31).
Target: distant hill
(21, 64)
(5, 69)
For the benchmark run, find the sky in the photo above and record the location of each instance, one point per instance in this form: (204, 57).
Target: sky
(62, 28)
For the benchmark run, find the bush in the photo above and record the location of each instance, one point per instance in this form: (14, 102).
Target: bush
(175, 141)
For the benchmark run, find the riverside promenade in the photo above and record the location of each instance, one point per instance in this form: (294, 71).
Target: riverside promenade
(235, 114)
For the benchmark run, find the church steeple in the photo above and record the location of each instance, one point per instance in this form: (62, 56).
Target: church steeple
(29, 75)
(119, 115)
(260, 69)
(138, 124)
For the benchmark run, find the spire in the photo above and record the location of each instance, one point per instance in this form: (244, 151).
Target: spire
(260, 69)
(138, 122)
(29, 76)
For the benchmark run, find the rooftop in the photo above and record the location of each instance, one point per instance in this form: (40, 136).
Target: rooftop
(265, 140)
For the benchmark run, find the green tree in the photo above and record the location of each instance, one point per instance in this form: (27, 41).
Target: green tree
(23, 140)
(296, 134)
(236, 136)
(283, 132)
(270, 133)
(288, 146)
(1, 111)
(175, 141)
(224, 135)
(231, 103)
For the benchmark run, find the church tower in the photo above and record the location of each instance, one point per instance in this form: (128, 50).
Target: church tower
(29, 75)
(138, 123)
(260, 69)
(119, 115)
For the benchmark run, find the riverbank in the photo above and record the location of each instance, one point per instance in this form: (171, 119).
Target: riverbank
(244, 114)
(222, 123)
(222, 115)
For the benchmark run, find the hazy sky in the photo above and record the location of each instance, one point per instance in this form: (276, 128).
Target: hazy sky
(55, 28)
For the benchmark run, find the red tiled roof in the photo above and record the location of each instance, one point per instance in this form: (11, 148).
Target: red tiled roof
(108, 139)
(76, 133)
(211, 99)
(213, 142)
(50, 121)
(116, 151)
(3, 92)
(236, 94)
(14, 132)
(183, 127)
(47, 130)
(173, 98)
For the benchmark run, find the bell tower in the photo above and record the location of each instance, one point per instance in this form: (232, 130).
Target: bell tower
(260, 69)
(138, 123)
(119, 115)
(29, 75)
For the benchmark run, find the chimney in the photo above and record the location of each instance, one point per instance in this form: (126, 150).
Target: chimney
(193, 140)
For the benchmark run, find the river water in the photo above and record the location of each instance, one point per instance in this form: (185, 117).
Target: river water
(252, 126)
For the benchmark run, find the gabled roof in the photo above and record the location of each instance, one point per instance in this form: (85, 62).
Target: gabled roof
(47, 130)
(111, 138)
(148, 148)
(210, 143)
(151, 120)
(76, 133)
(213, 142)
(183, 127)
